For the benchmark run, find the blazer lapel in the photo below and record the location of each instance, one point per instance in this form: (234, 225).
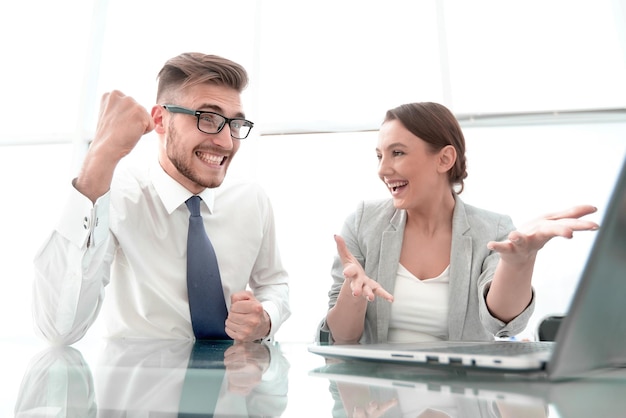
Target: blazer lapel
(460, 270)
(390, 248)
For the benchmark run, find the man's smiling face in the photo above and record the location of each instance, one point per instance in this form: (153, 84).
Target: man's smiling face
(195, 159)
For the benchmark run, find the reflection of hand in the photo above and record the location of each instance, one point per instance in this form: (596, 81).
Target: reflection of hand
(515, 410)
(245, 364)
(360, 284)
(357, 401)
(374, 409)
(528, 240)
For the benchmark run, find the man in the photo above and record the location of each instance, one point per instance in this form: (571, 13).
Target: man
(125, 228)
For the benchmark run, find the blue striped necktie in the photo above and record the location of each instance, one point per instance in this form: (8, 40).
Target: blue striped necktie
(204, 284)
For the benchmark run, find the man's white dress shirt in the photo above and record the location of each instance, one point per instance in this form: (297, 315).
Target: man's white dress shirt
(131, 246)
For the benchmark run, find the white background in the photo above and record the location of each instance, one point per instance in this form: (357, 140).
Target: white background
(329, 68)
(318, 68)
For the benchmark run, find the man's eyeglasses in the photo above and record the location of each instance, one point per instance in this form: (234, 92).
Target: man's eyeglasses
(213, 123)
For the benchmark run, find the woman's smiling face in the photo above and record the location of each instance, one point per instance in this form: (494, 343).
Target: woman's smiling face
(408, 166)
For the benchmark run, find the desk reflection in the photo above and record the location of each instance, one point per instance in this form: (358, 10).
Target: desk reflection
(359, 400)
(358, 396)
(157, 379)
(369, 389)
(57, 383)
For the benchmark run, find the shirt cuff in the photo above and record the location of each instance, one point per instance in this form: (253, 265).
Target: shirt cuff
(272, 312)
(82, 222)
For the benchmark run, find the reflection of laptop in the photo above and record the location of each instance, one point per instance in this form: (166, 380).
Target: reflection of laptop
(416, 389)
(591, 337)
(424, 381)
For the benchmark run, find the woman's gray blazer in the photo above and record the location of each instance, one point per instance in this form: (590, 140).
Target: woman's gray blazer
(373, 233)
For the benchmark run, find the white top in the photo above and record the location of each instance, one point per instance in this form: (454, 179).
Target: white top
(137, 235)
(419, 311)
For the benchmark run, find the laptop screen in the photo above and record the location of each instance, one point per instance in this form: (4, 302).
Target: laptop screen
(593, 334)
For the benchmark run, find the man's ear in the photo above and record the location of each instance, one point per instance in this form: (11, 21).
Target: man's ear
(157, 117)
(447, 158)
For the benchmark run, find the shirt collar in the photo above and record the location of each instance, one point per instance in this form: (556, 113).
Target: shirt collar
(172, 193)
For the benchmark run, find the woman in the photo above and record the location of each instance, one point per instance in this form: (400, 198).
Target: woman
(451, 271)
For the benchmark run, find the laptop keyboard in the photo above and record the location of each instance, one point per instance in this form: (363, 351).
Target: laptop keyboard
(502, 348)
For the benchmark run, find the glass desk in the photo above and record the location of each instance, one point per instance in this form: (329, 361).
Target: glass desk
(151, 379)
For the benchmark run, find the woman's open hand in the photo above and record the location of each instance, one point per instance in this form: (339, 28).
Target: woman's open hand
(360, 284)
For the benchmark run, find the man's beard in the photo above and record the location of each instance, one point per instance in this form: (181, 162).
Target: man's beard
(179, 161)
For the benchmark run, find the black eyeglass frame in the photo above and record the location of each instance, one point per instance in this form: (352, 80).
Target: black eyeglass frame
(199, 113)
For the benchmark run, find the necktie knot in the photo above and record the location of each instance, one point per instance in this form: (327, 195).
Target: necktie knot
(193, 204)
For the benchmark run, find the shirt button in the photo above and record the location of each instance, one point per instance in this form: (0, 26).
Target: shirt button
(86, 223)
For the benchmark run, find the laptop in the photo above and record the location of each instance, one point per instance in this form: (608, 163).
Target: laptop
(591, 337)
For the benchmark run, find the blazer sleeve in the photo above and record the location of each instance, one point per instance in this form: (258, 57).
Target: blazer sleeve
(491, 324)
(349, 233)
